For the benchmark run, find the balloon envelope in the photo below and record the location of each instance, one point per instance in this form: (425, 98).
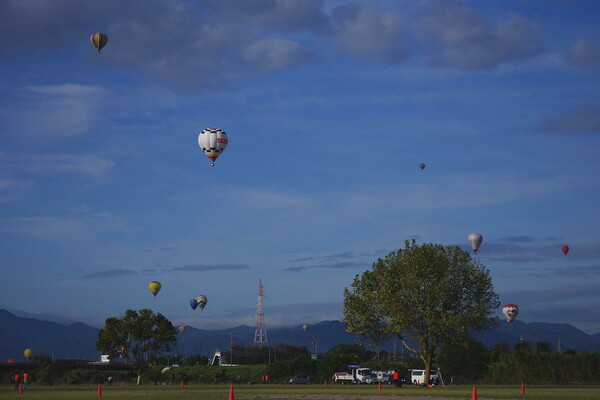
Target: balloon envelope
(202, 300)
(28, 353)
(475, 239)
(565, 250)
(182, 328)
(305, 327)
(99, 40)
(510, 311)
(154, 287)
(213, 141)
(194, 304)
(422, 166)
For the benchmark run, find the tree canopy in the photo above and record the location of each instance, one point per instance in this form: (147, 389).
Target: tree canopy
(138, 338)
(425, 295)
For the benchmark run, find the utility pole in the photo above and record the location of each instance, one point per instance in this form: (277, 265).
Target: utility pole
(231, 349)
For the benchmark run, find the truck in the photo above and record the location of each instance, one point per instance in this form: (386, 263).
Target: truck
(357, 375)
(342, 377)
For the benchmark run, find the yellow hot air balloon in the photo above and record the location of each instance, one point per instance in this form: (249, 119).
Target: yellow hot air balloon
(28, 353)
(202, 300)
(154, 287)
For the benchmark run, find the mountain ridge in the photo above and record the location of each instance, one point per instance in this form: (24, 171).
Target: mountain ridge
(78, 340)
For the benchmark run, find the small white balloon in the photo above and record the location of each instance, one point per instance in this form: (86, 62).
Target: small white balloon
(475, 239)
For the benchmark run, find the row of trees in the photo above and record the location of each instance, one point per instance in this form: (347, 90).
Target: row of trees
(469, 364)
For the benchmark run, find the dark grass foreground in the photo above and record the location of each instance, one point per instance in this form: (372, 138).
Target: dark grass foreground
(297, 392)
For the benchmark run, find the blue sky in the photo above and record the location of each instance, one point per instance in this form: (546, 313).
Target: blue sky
(330, 107)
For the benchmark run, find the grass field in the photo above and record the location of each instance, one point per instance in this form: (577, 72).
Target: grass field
(298, 392)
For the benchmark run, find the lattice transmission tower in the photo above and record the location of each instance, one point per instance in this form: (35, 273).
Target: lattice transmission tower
(260, 334)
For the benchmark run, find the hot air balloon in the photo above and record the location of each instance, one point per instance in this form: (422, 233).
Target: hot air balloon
(28, 353)
(213, 141)
(154, 287)
(202, 300)
(305, 327)
(182, 328)
(194, 304)
(475, 239)
(422, 166)
(99, 40)
(565, 249)
(510, 311)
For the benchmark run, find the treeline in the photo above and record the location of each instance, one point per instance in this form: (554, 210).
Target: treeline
(500, 364)
(473, 363)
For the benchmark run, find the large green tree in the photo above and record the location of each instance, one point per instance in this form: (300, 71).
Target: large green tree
(425, 295)
(138, 338)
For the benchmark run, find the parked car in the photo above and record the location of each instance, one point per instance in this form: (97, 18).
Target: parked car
(300, 379)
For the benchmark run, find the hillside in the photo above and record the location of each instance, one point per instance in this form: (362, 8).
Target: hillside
(78, 340)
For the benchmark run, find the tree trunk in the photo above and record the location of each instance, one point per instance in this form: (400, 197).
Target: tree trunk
(139, 379)
(427, 362)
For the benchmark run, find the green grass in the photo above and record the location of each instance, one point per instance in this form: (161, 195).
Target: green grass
(296, 392)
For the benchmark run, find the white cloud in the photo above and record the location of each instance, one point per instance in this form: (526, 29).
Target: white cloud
(585, 53)
(14, 189)
(52, 112)
(89, 165)
(585, 118)
(371, 34)
(63, 228)
(458, 36)
(275, 54)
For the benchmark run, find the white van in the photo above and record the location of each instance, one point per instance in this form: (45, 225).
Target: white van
(417, 376)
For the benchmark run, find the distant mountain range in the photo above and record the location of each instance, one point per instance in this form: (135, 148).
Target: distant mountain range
(78, 340)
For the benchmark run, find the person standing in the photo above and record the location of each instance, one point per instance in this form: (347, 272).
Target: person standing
(396, 377)
(16, 380)
(25, 380)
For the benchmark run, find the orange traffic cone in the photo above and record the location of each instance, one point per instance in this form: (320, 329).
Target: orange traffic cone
(99, 390)
(474, 395)
(379, 386)
(522, 388)
(231, 392)
(20, 388)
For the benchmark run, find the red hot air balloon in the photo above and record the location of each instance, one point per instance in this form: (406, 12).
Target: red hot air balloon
(565, 249)
(182, 329)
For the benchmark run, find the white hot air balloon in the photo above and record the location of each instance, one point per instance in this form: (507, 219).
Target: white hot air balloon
(475, 239)
(305, 327)
(213, 141)
(510, 311)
